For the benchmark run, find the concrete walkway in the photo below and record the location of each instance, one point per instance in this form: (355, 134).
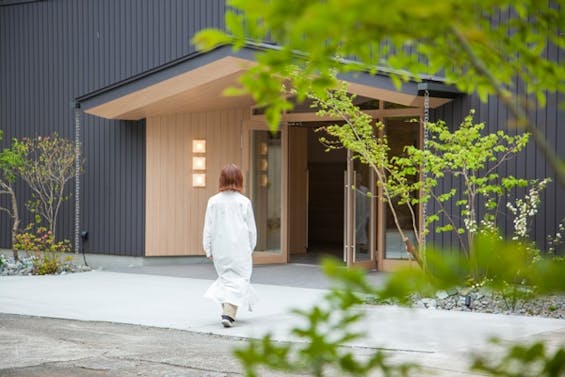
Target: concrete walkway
(434, 338)
(288, 275)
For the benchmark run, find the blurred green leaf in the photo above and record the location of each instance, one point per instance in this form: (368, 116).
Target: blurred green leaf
(209, 39)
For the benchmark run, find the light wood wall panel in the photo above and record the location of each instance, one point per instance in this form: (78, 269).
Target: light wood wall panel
(174, 209)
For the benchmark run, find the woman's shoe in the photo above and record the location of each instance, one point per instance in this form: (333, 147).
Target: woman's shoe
(227, 321)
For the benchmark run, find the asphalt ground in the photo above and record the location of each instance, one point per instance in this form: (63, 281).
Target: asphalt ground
(47, 347)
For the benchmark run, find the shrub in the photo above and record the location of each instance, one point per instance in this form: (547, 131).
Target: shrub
(49, 254)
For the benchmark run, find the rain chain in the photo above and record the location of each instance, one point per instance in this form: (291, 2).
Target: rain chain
(426, 121)
(77, 180)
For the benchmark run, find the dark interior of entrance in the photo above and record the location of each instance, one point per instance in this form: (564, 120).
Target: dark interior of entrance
(316, 194)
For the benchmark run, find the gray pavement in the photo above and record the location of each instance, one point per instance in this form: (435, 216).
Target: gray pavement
(166, 301)
(300, 275)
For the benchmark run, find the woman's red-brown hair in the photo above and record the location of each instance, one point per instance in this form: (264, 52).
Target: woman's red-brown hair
(231, 178)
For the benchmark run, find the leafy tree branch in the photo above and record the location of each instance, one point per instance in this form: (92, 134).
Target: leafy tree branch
(463, 41)
(521, 117)
(48, 165)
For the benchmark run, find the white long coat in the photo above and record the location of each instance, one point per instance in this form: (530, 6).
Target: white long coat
(230, 236)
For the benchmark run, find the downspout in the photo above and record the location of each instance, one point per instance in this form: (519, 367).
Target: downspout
(77, 177)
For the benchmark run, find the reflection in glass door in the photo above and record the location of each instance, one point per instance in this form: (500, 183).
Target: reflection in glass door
(363, 212)
(360, 215)
(266, 185)
(400, 132)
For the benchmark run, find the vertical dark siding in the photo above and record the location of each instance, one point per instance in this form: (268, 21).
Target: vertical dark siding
(54, 51)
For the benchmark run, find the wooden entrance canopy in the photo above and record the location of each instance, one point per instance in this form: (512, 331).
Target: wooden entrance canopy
(196, 82)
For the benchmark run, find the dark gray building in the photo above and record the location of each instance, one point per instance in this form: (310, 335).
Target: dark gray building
(155, 130)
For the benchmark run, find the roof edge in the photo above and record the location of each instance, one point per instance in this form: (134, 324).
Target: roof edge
(423, 81)
(141, 75)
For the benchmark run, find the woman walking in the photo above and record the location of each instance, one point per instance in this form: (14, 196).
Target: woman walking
(229, 238)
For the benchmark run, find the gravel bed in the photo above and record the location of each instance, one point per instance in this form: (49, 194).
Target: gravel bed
(24, 266)
(485, 301)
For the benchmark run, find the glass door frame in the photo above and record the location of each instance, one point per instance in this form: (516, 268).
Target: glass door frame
(377, 229)
(383, 263)
(349, 233)
(248, 126)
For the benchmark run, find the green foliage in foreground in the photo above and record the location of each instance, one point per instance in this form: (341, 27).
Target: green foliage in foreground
(481, 46)
(328, 328)
(494, 262)
(322, 341)
(533, 360)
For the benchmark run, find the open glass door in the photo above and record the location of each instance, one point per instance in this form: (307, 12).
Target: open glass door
(400, 132)
(264, 165)
(360, 215)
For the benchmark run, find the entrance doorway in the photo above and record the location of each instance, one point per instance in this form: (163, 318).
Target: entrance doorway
(333, 200)
(316, 195)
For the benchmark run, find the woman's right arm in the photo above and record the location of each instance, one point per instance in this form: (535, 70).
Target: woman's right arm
(208, 230)
(251, 226)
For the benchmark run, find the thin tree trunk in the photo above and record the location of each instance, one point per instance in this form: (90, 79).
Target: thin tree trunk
(16, 224)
